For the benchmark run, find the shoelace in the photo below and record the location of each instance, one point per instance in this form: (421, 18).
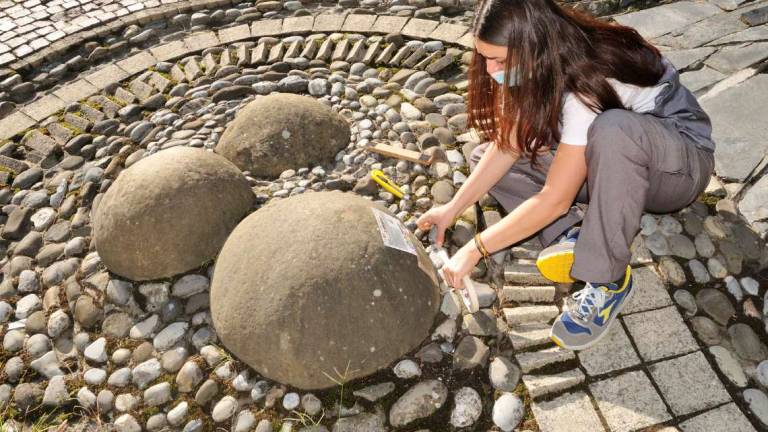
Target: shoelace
(588, 299)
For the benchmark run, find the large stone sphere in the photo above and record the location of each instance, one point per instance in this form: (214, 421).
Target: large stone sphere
(283, 131)
(169, 213)
(306, 287)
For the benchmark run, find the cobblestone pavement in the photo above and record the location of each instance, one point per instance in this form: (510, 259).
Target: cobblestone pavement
(90, 88)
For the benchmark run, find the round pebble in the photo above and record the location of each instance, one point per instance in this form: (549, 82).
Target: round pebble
(508, 411)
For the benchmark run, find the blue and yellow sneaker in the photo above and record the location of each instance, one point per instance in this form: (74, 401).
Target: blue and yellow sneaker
(555, 262)
(595, 308)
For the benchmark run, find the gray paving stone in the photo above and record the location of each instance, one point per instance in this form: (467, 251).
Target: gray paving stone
(16, 123)
(749, 35)
(650, 292)
(236, 33)
(39, 142)
(419, 28)
(76, 91)
(685, 58)
(530, 314)
(667, 18)
(752, 205)
(448, 32)
(528, 294)
(660, 334)
(358, 23)
(301, 24)
(737, 125)
(525, 336)
(538, 359)
(328, 23)
(200, 41)
(572, 412)
(731, 59)
(389, 24)
(7, 58)
(725, 418)
(702, 32)
(542, 385)
(137, 63)
(169, 51)
(629, 402)
(12, 164)
(467, 41)
(43, 107)
(701, 79)
(728, 5)
(689, 384)
(614, 352)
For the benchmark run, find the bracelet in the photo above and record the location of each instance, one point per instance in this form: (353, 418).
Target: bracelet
(480, 246)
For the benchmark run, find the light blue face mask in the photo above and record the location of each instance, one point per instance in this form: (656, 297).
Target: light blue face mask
(513, 79)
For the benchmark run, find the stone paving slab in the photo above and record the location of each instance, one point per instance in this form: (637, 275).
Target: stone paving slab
(689, 384)
(528, 294)
(667, 18)
(538, 359)
(169, 51)
(14, 124)
(76, 91)
(613, 353)
(731, 59)
(650, 292)
(725, 418)
(389, 24)
(738, 126)
(701, 79)
(137, 63)
(749, 35)
(12, 164)
(358, 23)
(467, 41)
(629, 402)
(328, 23)
(685, 58)
(572, 412)
(106, 76)
(300, 24)
(236, 33)
(43, 107)
(266, 27)
(419, 28)
(448, 32)
(703, 32)
(200, 41)
(660, 333)
(752, 205)
(529, 335)
(541, 385)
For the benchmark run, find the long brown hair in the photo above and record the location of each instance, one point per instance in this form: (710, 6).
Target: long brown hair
(557, 50)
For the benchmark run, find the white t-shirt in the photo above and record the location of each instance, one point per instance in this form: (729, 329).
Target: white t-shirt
(576, 117)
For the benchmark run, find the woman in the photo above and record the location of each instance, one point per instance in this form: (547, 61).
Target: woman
(576, 110)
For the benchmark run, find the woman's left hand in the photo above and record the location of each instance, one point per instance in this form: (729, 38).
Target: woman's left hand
(460, 265)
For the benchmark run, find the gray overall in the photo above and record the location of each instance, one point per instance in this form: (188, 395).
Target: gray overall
(658, 161)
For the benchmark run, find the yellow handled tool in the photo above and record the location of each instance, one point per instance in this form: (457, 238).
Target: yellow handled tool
(379, 177)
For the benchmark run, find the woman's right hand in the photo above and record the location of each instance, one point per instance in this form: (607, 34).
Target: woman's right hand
(442, 216)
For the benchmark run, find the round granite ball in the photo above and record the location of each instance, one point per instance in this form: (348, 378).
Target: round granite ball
(305, 287)
(283, 131)
(169, 213)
